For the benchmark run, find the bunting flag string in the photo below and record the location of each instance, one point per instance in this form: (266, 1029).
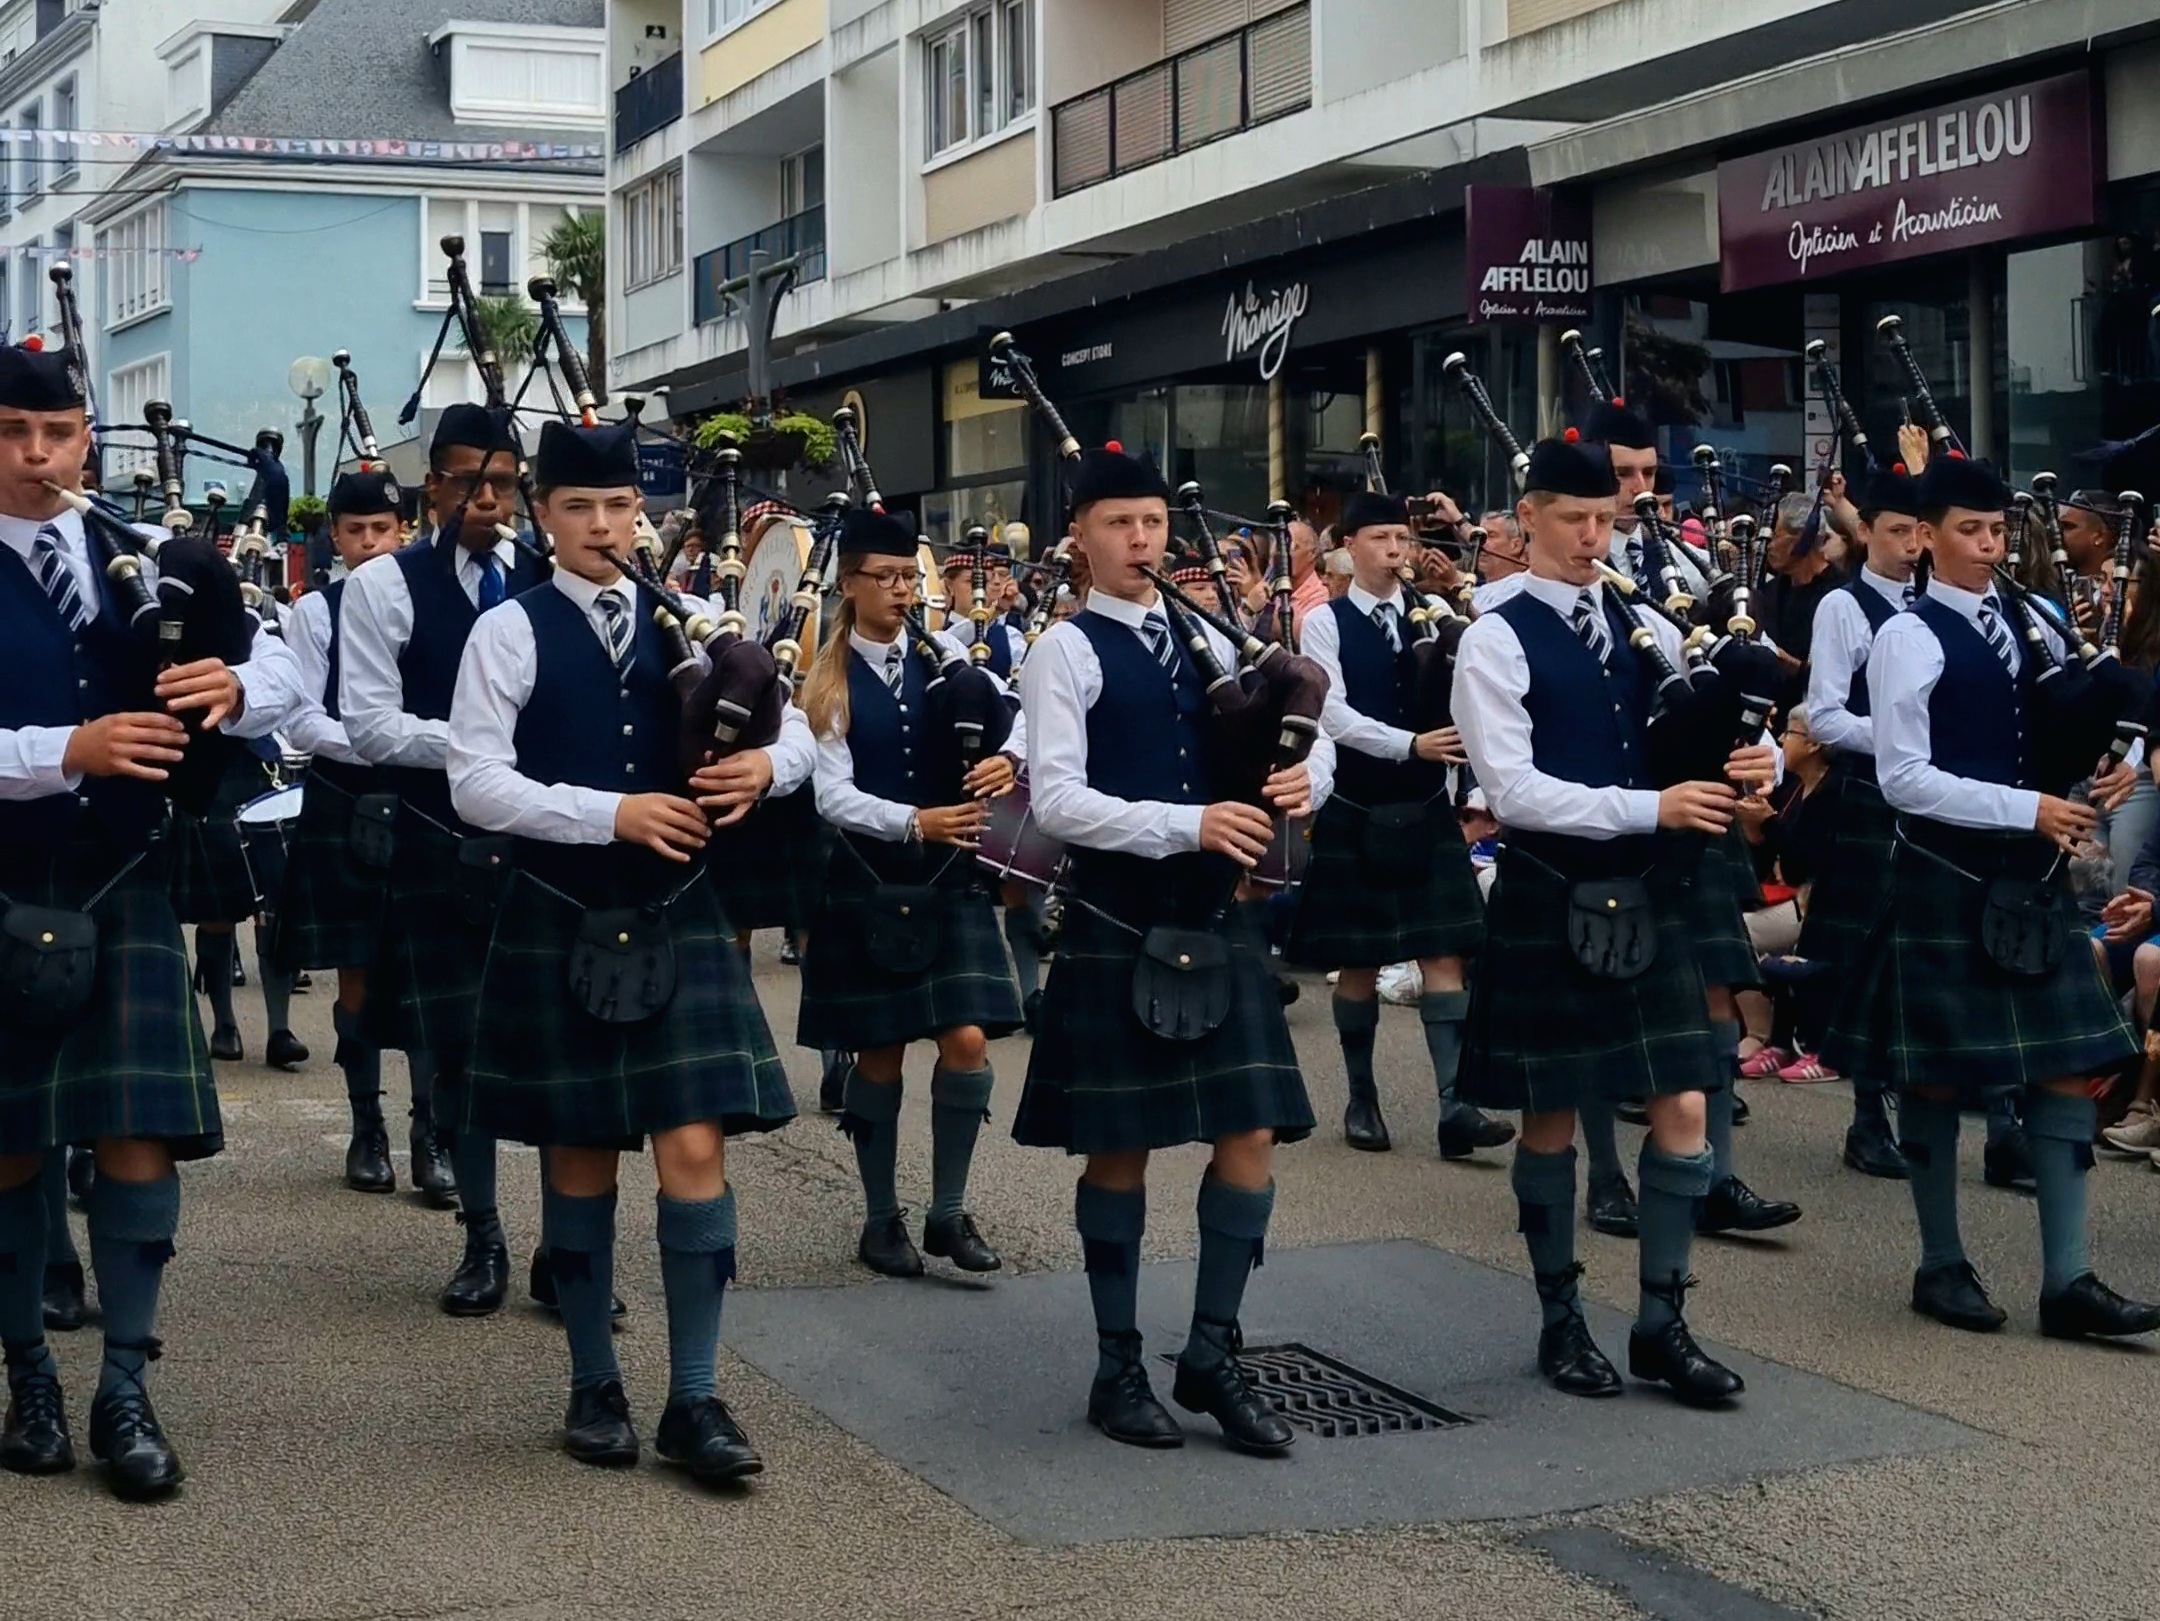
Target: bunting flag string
(299, 146)
(36, 251)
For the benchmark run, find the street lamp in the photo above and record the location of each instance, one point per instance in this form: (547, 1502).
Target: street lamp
(309, 378)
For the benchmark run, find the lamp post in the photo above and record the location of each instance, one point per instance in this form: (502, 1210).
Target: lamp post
(309, 378)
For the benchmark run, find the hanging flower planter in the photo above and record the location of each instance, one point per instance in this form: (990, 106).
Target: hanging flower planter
(788, 441)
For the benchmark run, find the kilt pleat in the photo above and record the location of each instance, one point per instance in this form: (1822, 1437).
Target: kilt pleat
(1852, 890)
(1099, 1082)
(1544, 1034)
(851, 1003)
(544, 1071)
(213, 879)
(135, 1065)
(424, 982)
(1349, 918)
(330, 912)
(1717, 888)
(1926, 1006)
(769, 869)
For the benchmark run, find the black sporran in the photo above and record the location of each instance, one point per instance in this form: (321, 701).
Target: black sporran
(485, 865)
(48, 966)
(902, 927)
(622, 965)
(1612, 927)
(1399, 842)
(1181, 983)
(373, 836)
(2023, 926)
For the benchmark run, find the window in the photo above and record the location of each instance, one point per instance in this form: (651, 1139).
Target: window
(802, 182)
(7, 169)
(33, 152)
(721, 15)
(652, 229)
(498, 234)
(63, 122)
(127, 391)
(6, 336)
(505, 244)
(532, 76)
(134, 267)
(979, 74)
(32, 287)
(187, 86)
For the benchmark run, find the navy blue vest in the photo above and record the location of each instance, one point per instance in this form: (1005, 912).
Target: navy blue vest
(333, 595)
(590, 727)
(443, 617)
(1978, 714)
(885, 734)
(1879, 613)
(55, 679)
(1000, 660)
(1586, 720)
(1378, 683)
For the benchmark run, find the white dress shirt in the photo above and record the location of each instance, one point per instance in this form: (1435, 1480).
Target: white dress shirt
(839, 801)
(1321, 641)
(1060, 684)
(375, 621)
(1839, 652)
(309, 728)
(1902, 671)
(1492, 678)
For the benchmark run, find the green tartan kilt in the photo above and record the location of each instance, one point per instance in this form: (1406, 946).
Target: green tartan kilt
(1718, 890)
(330, 913)
(1349, 917)
(851, 1003)
(544, 1071)
(1926, 1006)
(135, 1064)
(1546, 1035)
(1099, 1082)
(213, 878)
(769, 869)
(424, 983)
(1852, 890)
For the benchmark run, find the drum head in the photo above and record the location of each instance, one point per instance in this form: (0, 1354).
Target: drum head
(775, 567)
(278, 805)
(933, 587)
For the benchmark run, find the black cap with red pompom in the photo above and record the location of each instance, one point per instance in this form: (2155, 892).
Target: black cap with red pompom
(1109, 474)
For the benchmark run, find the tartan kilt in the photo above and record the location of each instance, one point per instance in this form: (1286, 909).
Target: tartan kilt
(544, 1071)
(849, 1002)
(1852, 890)
(1926, 1006)
(1349, 918)
(330, 912)
(213, 880)
(1545, 1035)
(424, 982)
(135, 1064)
(1718, 890)
(769, 869)
(1098, 1082)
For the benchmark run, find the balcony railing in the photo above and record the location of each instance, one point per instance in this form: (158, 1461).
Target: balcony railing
(653, 100)
(802, 234)
(1233, 83)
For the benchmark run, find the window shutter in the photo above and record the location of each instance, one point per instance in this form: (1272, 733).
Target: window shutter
(1187, 23)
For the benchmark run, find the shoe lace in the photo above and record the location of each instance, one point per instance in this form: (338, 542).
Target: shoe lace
(1559, 1288)
(127, 1403)
(36, 1394)
(612, 1400)
(1673, 1292)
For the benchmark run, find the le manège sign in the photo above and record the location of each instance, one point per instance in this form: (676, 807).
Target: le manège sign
(2015, 163)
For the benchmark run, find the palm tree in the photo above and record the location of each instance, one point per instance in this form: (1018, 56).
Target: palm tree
(577, 258)
(510, 327)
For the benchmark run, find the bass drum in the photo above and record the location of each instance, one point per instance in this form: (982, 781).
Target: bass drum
(933, 588)
(774, 568)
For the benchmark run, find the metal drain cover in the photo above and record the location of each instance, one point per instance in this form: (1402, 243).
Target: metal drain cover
(1332, 1400)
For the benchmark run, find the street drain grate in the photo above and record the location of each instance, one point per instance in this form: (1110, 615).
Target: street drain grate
(1332, 1400)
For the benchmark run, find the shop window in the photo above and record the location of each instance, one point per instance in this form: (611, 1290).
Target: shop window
(948, 514)
(988, 443)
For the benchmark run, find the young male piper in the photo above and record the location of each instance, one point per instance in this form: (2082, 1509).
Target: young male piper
(1979, 982)
(1390, 879)
(906, 949)
(614, 1005)
(1588, 984)
(1853, 887)
(1125, 772)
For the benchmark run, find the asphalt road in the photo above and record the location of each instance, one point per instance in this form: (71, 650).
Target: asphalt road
(354, 1454)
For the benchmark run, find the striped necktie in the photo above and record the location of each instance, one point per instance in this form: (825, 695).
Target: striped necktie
(1155, 631)
(896, 668)
(1589, 623)
(1383, 615)
(1997, 633)
(56, 579)
(614, 626)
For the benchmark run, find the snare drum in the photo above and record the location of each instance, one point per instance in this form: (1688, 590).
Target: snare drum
(1014, 844)
(774, 569)
(264, 823)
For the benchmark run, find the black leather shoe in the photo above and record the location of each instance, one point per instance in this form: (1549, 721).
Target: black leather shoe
(1610, 1207)
(1669, 1356)
(597, 1428)
(477, 1287)
(1249, 1420)
(2086, 1308)
(66, 1305)
(126, 1438)
(1464, 1130)
(1633, 1110)
(540, 1285)
(1734, 1207)
(832, 1084)
(1363, 1126)
(1872, 1151)
(367, 1160)
(285, 1051)
(958, 1240)
(885, 1248)
(790, 957)
(703, 1437)
(81, 1172)
(432, 1177)
(1566, 1354)
(1124, 1407)
(302, 983)
(1952, 1295)
(1740, 1109)
(225, 1044)
(1031, 1012)
(1287, 990)
(35, 1439)
(2007, 1163)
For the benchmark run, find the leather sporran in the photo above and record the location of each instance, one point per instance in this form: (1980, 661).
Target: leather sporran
(1182, 983)
(1398, 846)
(1612, 927)
(2024, 928)
(485, 866)
(902, 927)
(48, 966)
(622, 965)
(372, 838)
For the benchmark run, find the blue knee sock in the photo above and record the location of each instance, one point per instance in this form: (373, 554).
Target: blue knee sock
(1233, 1239)
(580, 1237)
(59, 1240)
(1718, 1105)
(1442, 1013)
(1598, 1123)
(1673, 1185)
(1545, 1216)
(276, 986)
(132, 1226)
(870, 1115)
(472, 1161)
(2061, 1132)
(1928, 1134)
(1022, 939)
(1110, 1222)
(959, 1104)
(1357, 1026)
(214, 953)
(362, 1063)
(22, 1275)
(697, 1261)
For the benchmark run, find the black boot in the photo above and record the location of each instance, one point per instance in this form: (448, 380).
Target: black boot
(367, 1160)
(957, 1239)
(701, 1436)
(597, 1428)
(66, 1305)
(1122, 1404)
(1249, 1420)
(482, 1278)
(886, 1249)
(1464, 1130)
(225, 1044)
(1872, 1150)
(432, 1177)
(832, 1084)
(1610, 1206)
(1363, 1126)
(127, 1439)
(2086, 1308)
(1031, 1013)
(1734, 1207)
(1566, 1354)
(540, 1285)
(285, 1051)
(1952, 1295)
(35, 1439)
(1669, 1356)
(2007, 1163)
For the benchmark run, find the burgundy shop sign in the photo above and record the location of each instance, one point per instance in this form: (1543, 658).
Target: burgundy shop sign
(2015, 163)
(1528, 252)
